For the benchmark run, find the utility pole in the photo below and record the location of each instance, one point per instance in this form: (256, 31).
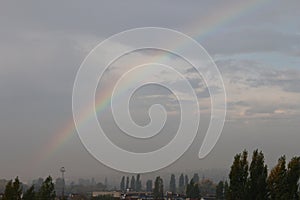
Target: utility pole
(63, 170)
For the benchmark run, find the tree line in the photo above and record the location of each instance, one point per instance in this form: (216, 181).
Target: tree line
(193, 188)
(14, 191)
(251, 181)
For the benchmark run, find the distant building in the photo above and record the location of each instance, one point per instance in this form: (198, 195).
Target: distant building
(114, 194)
(137, 196)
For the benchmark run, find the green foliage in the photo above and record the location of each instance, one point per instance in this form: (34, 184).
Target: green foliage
(122, 184)
(254, 183)
(138, 184)
(132, 183)
(226, 190)
(220, 191)
(158, 192)
(196, 178)
(186, 180)
(172, 186)
(13, 190)
(29, 194)
(257, 182)
(292, 177)
(47, 190)
(9, 191)
(276, 180)
(181, 184)
(127, 182)
(192, 190)
(283, 183)
(238, 177)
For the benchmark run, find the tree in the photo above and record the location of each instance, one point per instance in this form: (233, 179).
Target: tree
(220, 191)
(132, 183)
(192, 190)
(47, 190)
(226, 190)
(186, 180)
(8, 192)
(189, 188)
(149, 186)
(238, 177)
(258, 172)
(206, 187)
(13, 190)
(292, 178)
(138, 184)
(29, 194)
(196, 178)
(181, 183)
(127, 182)
(122, 184)
(276, 180)
(172, 184)
(158, 192)
(196, 192)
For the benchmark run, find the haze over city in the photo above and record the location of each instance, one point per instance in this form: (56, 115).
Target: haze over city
(256, 46)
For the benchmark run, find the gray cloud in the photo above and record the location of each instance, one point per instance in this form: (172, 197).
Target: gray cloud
(255, 40)
(43, 44)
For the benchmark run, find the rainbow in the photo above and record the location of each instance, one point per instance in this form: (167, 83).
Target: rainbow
(213, 23)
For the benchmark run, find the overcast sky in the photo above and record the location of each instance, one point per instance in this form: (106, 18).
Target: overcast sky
(255, 45)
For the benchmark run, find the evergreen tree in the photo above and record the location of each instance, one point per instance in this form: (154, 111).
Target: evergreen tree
(122, 184)
(226, 190)
(258, 177)
(238, 177)
(220, 191)
(158, 192)
(192, 190)
(186, 180)
(47, 190)
(189, 188)
(138, 184)
(132, 183)
(149, 186)
(172, 186)
(196, 178)
(127, 182)
(29, 194)
(181, 183)
(276, 180)
(196, 192)
(13, 190)
(9, 191)
(292, 178)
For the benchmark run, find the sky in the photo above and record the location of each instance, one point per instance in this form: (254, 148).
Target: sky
(256, 47)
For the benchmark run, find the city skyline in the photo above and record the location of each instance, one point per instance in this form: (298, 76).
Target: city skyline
(256, 47)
